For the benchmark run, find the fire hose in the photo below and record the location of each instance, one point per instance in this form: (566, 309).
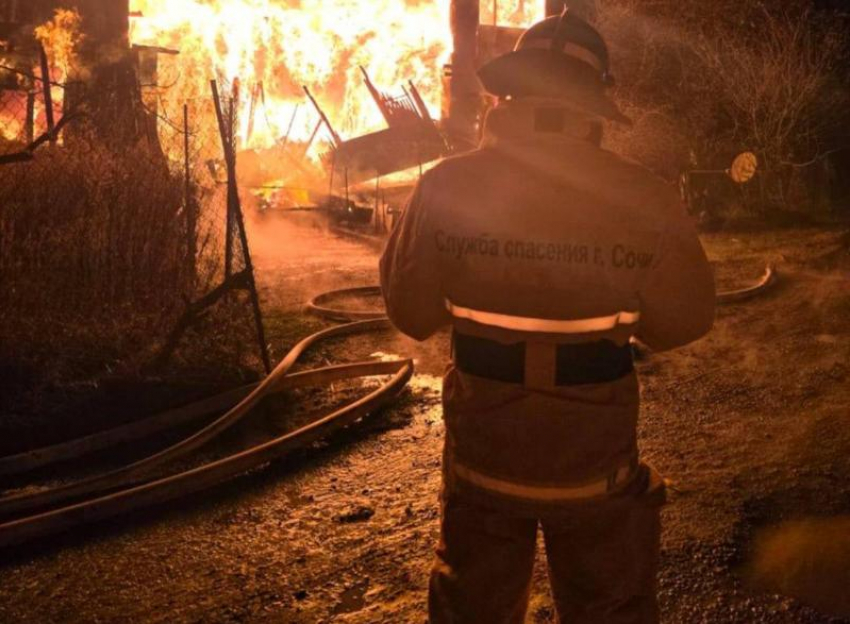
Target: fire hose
(133, 486)
(765, 283)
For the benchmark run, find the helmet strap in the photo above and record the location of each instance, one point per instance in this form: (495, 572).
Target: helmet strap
(559, 39)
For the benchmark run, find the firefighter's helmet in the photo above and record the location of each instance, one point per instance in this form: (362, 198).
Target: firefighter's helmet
(562, 57)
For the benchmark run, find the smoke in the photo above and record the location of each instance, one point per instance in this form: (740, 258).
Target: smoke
(298, 256)
(806, 559)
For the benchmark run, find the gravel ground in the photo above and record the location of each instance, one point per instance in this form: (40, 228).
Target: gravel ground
(750, 425)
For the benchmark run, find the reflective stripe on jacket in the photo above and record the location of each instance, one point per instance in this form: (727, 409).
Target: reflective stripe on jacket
(544, 326)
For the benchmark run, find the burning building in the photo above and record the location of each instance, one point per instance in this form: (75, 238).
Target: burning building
(346, 91)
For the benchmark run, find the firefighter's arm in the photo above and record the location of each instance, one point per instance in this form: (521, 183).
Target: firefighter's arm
(410, 275)
(678, 295)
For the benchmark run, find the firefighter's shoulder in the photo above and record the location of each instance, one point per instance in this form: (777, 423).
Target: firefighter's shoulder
(456, 174)
(458, 165)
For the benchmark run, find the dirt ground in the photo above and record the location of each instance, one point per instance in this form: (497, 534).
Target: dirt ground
(751, 425)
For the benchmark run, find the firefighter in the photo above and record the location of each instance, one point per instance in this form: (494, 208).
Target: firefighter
(546, 254)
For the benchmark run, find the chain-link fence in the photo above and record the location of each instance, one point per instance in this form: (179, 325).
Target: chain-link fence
(113, 207)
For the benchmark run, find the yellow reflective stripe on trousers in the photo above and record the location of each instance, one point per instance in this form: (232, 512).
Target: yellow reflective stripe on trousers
(545, 493)
(544, 326)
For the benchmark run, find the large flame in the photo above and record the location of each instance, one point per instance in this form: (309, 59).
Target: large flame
(286, 44)
(61, 38)
(272, 49)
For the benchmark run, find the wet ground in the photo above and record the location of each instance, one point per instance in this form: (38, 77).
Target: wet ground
(751, 425)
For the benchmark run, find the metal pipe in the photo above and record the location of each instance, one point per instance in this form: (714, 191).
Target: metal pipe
(189, 206)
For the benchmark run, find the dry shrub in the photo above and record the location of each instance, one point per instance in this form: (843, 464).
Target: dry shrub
(705, 81)
(652, 64)
(86, 231)
(92, 254)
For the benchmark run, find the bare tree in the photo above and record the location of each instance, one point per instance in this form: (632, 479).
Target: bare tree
(782, 92)
(705, 84)
(779, 87)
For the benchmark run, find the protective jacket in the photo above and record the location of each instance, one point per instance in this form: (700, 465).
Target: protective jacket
(546, 254)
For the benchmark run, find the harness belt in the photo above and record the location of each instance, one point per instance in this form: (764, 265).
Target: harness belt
(601, 361)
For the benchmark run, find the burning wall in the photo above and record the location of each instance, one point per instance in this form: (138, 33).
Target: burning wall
(284, 44)
(269, 50)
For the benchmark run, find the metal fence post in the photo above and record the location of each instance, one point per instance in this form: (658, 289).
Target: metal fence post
(189, 203)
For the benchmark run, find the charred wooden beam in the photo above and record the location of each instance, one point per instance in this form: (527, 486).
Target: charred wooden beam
(156, 49)
(111, 92)
(464, 91)
(48, 97)
(420, 103)
(336, 138)
(377, 96)
(386, 151)
(105, 23)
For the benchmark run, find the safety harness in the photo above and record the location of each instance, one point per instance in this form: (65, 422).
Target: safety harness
(539, 365)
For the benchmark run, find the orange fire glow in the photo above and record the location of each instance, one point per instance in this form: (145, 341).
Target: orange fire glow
(284, 44)
(272, 48)
(60, 37)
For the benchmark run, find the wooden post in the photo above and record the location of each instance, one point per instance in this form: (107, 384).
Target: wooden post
(464, 89)
(347, 197)
(227, 143)
(48, 96)
(465, 17)
(331, 176)
(377, 203)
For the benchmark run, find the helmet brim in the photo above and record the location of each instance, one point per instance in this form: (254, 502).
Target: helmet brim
(539, 73)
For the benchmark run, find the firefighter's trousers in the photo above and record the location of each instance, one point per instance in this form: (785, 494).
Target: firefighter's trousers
(602, 558)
